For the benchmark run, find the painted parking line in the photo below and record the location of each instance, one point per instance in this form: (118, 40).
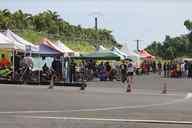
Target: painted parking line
(112, 120)
(187, 97)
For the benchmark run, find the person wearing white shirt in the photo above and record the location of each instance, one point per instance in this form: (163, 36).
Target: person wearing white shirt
(130, 73)
(183, 69)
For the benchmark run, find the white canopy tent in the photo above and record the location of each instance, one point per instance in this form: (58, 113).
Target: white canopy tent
(14, 37)
(101, 48)
(114, 50)
(122, 54)
(66, 49)
(5, 42)
(132, 55)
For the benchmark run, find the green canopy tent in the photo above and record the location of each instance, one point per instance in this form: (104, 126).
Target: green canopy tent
(102, 55)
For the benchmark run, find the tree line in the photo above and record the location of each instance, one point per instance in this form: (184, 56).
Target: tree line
(49, 23)
(174, 47)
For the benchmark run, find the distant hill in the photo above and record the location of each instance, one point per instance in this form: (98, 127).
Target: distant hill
(50, 24)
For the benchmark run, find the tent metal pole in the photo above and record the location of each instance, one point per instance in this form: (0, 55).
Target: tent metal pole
(63, 68)
(13, 74)
(39, 74)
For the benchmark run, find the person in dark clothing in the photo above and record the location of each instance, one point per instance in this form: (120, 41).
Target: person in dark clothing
(17, 60)
(159, 65)
(45, 68)
(123, 70)
(72, 73)
(57, 67)
(165, 69)
(108, 69)
(154, 67)
(190, 70)
(168, 69)
(172, 69)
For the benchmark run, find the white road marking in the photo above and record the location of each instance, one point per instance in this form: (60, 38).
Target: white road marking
(92, 90)
(132, 93)
(187, 97)
(104, 119)
(89, 90)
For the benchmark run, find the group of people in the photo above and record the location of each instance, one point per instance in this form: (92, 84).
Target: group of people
(149, 66)
(171, 69)
(176, 69)
(22, 66)
(90, 69)
(107, 71)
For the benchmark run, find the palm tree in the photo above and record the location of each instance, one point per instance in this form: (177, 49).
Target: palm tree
(6, 19)
(6, 12)
(53, 15)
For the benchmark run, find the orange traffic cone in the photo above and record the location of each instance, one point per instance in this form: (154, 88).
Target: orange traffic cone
(128, 88)
(164, 91)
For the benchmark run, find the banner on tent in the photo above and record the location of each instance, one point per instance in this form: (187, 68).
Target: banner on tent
(28, 49)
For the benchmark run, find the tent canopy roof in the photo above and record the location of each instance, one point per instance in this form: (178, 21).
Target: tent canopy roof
(101, 48)
(44, 50)
(14, 37)
(62, 46)
(51, 45)
(102, 55)
(5, 42)
(143, 53)
(120, 53)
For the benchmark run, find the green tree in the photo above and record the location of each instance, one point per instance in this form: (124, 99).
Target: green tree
(188, 25)
(5, 19)
(49, 23)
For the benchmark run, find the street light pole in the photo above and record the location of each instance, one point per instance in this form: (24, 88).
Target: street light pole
(137, 41)
(96, 24)
(96, 15)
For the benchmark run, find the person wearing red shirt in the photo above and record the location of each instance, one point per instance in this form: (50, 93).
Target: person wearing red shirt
(4, 62)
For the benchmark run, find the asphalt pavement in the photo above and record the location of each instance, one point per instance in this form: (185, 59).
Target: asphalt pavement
(100, 105)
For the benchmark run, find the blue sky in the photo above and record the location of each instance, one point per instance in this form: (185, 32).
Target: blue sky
(147, 20)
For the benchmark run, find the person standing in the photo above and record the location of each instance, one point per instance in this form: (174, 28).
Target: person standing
(4, 62)
(28, 63)
(73, 71)
(178, 70)
(190, 70)
(108, 70)
(130, 73)
(165, 69)
(154, 66)
(159, 65)
(183, 70)
(123, 70)
(186, 66)
(168, 69)
(57, 67)
(5, 66)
